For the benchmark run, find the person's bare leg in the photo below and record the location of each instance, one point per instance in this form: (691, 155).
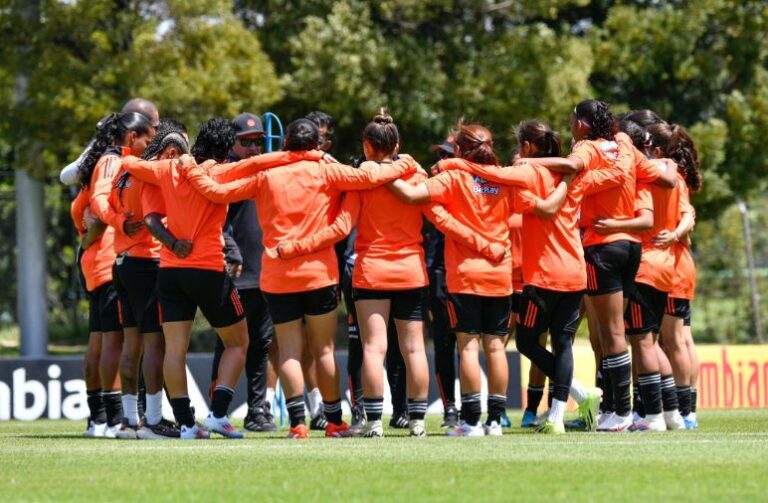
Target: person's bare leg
(468, 347)
(152, 363)
(109, 364)
(373, 316)
(411, 338)
(130, 358)
(93, 380)
(176, 334)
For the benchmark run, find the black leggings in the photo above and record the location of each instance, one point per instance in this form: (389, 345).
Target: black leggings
(444, 338)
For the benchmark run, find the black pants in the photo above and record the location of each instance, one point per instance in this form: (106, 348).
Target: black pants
(444, 338)
(260, 334)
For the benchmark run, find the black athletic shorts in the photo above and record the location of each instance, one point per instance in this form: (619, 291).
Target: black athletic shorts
(679, 308)
(408, 305)
(285, 307)
(543, 310)
(136, 285)
(612, 267)
(479, 315)
(182, 290)
(103, 314)
(645, 310)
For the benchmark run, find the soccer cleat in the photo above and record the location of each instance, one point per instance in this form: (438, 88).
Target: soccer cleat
(616, 423)
(195, 432)
(466, 430)
(636, 416)
(95, 430)
(358, 420)
(259, 422)
(577, 424)
(691, 423)
(111, 431)
(373, 429)
(222, 426)
(126, 431)
(651, 422)
(674, 420)
(299, 432)
(604, 420)
(589, 407)
(338, 430)
(493, 429)
(318, 422)
(551, 428)
(450, 418)
(529, 420)
(417, 428)
(164, 430)
(505, 422)
(399, 420)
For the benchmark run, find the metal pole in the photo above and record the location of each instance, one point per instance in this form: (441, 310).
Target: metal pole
(751, 265)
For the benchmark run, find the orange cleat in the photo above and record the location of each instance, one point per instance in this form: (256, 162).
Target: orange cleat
(300, 432)
(338, 430)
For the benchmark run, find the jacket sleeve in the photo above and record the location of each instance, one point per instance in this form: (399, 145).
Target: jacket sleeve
(343, 177)
(598, 180)
(222, 193)
(455, 230)
(103, 178)
(252, 165)
(508, 176)
(148, 171)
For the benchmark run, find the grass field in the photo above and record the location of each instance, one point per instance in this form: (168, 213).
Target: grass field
(727, 459)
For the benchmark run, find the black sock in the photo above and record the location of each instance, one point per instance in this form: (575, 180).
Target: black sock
(295, 406)
(374, 407)
(684, 399)
(182, 411)
(496, 406)
(417, 408)
(222, 397)
(669, 393)
(471, 408)
(650, 391)
(694, 399)
(619, 369)
(606, 404)
(113, 405)
(550, 393)
(96, 406)
(333, 411)
(637, 401)
(534, 396)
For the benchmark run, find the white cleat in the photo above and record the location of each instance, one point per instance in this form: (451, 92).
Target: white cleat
(195, 432)
(126, 432)
(95, 430)
(111, 431)
(616, 424)
(222, 426)
(493, 429)
(651, 422)
(674, 420)
(604, 420)
(373, 429)
(467, 430)
(417, 428)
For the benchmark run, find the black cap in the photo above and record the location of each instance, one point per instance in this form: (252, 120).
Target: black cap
(247, 123)
(446, 146)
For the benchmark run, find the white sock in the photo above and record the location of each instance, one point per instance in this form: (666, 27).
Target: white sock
(154, 412)
(315, 402)
(557, 411)
(131, 409)
(578, 391)
(270, 398)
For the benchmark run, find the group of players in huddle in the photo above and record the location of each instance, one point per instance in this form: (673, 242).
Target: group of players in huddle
(261, 243)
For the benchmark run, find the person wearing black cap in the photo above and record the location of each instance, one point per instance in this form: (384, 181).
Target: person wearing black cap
(243, 225)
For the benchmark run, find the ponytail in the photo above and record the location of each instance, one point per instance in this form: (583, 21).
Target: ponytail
(538, 133)
(678, 145)
(475, 144)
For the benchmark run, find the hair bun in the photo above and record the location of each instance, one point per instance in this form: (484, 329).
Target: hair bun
(383, 117)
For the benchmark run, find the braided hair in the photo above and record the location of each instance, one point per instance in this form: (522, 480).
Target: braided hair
(678, 145)
(598, 116)
(215, 140)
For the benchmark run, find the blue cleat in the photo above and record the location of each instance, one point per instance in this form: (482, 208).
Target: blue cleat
(505, 422)
(529, 420)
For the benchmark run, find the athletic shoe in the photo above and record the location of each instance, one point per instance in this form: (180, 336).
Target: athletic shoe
(95, 430)
(417, 428)
(358, 419)
(505, 422)
(126, 431)
(338, 430)
(259, 422)
(604, 419)
(636, 416)
(674, 420)
(466, 430)
(691, 423)
(551, 428)
(589, 407)
(450, 418)
(577, 424)
(529, 420)
(616, 423)
(222, 426)
(318, 422)
(373, 429)
(164, 430)
(111, 431)
(541, 418)
(651, 422)
(399, 420)
(299, 432)
(493, 429)
(195, 432)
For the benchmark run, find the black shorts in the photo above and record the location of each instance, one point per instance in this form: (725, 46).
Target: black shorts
(182, 290)
(136, 285)
(103, 314)
(612, 267)
(645, 310)
(517, 299)
(285, 307)
(408, 305)
(679, 308)
(543, 310)
(479, 315)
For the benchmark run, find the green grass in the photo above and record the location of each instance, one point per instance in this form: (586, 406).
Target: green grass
(727, 459)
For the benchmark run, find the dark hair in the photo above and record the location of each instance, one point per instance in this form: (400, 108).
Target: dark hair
(540, 134)
(643, 117)
(321, 119)
(381, 133)
(678, 145)
(111, 131)
(597, 114)
(475, 144)
(301, 134)
(169, 132)
(640, 137)
(214, 141)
